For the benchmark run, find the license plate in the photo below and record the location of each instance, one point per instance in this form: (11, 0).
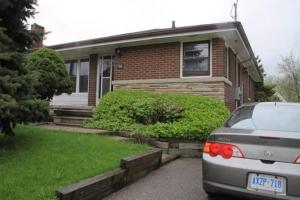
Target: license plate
(263, 182)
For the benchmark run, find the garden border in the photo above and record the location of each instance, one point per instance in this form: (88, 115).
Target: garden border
(173, 146)
(131, 169)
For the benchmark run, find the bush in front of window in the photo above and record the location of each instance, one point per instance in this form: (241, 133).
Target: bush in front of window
(155, 109)
(48, 70)
(159, 115)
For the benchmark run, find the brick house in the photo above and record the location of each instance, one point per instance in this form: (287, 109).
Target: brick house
(212, 60)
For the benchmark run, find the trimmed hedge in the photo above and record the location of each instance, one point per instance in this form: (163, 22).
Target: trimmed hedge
(159, 114)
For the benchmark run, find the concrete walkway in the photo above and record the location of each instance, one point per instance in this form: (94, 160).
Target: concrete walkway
(178, 180)
(52, 126)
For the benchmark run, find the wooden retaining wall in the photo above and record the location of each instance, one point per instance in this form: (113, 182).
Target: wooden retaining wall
(98, 187)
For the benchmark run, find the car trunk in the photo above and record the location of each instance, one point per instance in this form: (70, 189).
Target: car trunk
(267, 146)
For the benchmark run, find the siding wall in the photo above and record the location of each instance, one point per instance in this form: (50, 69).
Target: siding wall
(80, 99)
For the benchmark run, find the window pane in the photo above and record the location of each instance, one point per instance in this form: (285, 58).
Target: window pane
(106, 66)
(278, 118)
(241, 119)
(196, 59)
(84, 75)
(106, 86)
(225, 61)
(71, 67)
(266, 117)
(99, 91)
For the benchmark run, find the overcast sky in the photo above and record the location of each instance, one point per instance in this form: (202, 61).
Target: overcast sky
(272, 26)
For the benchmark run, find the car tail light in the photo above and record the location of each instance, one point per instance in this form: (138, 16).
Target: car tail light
(297, 161)
(225, 150)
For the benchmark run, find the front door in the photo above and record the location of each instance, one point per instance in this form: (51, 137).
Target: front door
(104, 75)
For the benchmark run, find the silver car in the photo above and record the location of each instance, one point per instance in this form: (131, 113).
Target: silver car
(256, 153)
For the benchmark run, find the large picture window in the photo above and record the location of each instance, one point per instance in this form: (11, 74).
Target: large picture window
(196, 59)
(71, 67)
(84, 75)
(78, 71)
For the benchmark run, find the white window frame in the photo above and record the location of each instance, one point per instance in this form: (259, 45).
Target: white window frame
(210, 59)
(78, 74)
(227, 61)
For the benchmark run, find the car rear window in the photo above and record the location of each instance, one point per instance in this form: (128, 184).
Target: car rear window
(266, 117)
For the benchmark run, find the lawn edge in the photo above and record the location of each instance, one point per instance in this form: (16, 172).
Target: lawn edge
(131, 169)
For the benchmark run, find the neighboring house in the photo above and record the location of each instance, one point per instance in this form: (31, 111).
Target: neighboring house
(210, 60)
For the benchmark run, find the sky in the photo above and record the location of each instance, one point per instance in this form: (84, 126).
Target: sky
(272, 26)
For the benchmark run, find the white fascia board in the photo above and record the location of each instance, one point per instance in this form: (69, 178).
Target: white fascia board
(253, 64)
(146, 38)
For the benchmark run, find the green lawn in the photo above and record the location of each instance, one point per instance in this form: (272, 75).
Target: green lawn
(37, 161)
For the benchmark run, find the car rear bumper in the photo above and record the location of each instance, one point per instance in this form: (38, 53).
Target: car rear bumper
(230, 176)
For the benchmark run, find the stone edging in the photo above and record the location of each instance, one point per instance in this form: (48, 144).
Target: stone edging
(176, 147)
(132, 168)
(174, 80)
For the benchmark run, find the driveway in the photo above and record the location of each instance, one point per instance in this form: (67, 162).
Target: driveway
(178, 180)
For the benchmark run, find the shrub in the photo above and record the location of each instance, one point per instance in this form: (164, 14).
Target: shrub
(49, 72)
(159, 115)
(155, 109)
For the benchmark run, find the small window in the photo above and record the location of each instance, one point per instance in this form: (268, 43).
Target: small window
(226, 62)
(71, 67)
(196, 59)
(84, 75)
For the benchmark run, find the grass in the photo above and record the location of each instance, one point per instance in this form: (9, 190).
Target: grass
(36, 161)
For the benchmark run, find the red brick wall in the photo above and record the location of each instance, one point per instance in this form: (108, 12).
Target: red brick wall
(230, 90)
(218, 57)
(252, 89)
(92, 80)
(244, 83)
(39, 30)
(244, 80)
(149, 62)
(162, 61)
(249, 89)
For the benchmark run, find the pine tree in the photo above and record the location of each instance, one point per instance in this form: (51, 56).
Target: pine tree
(18, 102)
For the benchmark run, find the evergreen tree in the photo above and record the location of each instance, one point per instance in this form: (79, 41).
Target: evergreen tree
(265, 92)
(48, 69)
(17, 100)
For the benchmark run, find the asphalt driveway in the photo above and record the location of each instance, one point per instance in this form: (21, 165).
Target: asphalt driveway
(178, 180)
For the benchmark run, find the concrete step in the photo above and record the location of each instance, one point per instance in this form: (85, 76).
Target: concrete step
(72, 112)
(91, 108)
(71, 120)
(67, 125)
